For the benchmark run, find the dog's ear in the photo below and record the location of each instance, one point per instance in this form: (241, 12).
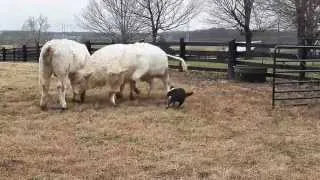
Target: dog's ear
(171, 87)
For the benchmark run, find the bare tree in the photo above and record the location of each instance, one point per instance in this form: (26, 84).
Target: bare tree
(244, 15)
(165, 14)
(303, 15)
(284, 11)
(112, 18)
(307, 20)
(36, 27)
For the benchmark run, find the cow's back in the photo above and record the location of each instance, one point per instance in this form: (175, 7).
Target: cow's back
(152, 57)
(67, 56)
(109, 59)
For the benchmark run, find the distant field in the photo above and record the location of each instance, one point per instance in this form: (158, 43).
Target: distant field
(224, 131)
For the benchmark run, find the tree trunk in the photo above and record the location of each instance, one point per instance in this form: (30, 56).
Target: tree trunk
(301, 32)
(124, 37)
(248, 35)
(301, 26)
(154, 35)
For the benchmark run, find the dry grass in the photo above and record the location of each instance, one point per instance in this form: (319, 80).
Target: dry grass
(225, 131)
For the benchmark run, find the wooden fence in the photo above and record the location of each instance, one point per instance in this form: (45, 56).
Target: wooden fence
(24, 53)
(227, 53)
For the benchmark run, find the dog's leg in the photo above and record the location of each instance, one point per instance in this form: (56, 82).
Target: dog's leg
(180, 103)
(169, 102)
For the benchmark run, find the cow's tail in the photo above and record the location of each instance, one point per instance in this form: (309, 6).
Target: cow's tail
(46, 55)
(183, 63)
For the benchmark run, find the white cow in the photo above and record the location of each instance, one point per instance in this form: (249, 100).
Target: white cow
(114, 65)
(62, 58)
(150, 52)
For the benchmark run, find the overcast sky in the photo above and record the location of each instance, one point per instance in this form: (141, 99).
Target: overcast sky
(60, 13)
(13, 13)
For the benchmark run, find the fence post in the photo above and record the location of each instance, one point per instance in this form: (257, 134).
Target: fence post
(24, 53)
(38, 50)
(88, 44)
(4, 53)
(232, 61)
(182, 51)
(303, 54)
(14, 54)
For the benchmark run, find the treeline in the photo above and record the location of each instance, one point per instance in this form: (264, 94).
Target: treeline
(17, 38)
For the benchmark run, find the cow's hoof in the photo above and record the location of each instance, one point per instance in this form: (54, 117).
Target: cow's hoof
(63, 109)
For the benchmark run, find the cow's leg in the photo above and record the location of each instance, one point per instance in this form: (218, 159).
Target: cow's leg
(136, 77)
(166, 81)
(44, 86)
(115, 82)
(120, 94)
(132, 88)
(44, 81)
(82, 96)
(79, 98)
(136, 90)
(74, 97)
(151, 86)
(62, 90)
(112, 98)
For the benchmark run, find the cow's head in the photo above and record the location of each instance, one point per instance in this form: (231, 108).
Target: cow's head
(79, 82)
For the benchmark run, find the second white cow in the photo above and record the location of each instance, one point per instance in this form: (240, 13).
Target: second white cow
(114, 65)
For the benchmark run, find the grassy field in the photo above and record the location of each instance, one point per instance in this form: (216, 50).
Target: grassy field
(225, 131)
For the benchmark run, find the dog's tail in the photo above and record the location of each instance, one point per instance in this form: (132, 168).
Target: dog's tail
(189, 93)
